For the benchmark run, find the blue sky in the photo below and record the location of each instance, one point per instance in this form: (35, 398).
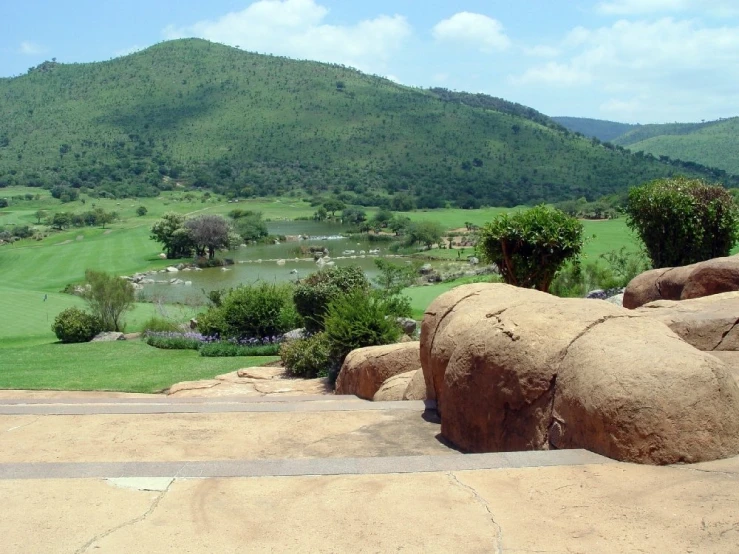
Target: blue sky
(626, 60)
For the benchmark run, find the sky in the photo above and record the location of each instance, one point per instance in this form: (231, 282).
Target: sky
(634, 61)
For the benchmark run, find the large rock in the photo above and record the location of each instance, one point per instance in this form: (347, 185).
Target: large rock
(394, 388)
(366, 369)
(683, 283)
(516, 369)
(404, 386)
(708, 323)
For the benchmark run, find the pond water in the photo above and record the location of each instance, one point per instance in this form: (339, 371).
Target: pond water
(259, 262)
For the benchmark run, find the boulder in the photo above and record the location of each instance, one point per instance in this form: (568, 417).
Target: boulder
(408, 325)
(394, 388)
(108, 337)
(616, 300)
(683, 283)
(708, 323)
(416, 389)
(172, 269)
(517, 369)
(366, 369)
(162, 256)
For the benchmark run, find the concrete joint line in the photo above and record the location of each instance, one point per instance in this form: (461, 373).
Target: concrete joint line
(484, 503)
(301, 467)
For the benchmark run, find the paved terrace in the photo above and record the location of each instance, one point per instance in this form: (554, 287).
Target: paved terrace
(96, 472)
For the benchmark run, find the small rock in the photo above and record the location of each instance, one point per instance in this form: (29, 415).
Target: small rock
(408, 325)
(172, 269)
(162, 256)
(108, 337)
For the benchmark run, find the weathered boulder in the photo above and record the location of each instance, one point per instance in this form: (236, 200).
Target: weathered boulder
(366, 369)
(708, 323)
(408, 325)
(108, 337)
(416, 389)
(404, 386)
(517, 369)
(683, 283)
(394, 388)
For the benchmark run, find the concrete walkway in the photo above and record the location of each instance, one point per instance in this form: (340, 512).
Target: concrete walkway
(98, 473)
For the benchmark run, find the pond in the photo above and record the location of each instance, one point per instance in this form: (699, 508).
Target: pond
(260, 262)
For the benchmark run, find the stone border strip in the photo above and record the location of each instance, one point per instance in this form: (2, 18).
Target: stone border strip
(301, 467)
(183, 400)
(207, 408)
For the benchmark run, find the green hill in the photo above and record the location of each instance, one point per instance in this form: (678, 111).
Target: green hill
(194, 113)
(601, 129)
(714, 143)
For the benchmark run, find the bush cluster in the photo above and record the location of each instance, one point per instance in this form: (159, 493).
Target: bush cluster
(316, 292)
(308, 357)
(74, 325)
(213, 346)
(261, 310)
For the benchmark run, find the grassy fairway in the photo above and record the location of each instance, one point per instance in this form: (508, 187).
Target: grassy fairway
(126, 366)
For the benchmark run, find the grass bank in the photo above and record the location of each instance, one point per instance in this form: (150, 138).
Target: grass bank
(122, 366)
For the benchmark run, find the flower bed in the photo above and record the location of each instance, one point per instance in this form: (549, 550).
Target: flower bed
(214, 346)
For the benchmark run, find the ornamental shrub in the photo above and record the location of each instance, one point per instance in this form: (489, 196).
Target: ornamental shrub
(530, 246)
(316, 292)
(355, 320)
(75, 325)
(160, 325)
(309, 357)
(255, 311)
(683, 221)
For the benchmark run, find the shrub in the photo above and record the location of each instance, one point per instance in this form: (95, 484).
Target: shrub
(160, 325)
(173, 340)
(224, 349)
(309, 357)
(530, 246)
(316, 292)
(109, 297)
(683, 221)
(75, 325)
(355, 320)
(576, 280)
(141, 211)
(262, 310)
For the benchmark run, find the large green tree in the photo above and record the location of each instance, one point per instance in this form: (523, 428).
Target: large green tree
(683, 221)
(174, 237)
(109, 297)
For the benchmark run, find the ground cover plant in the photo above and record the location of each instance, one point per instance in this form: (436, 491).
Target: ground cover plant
(213, 346)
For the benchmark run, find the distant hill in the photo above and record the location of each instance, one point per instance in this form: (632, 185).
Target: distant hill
(194, 113)
(710, 143)
(603, 130)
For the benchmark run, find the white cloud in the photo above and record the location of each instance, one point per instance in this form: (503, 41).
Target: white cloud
(31, 48)
(667, 65)
(474, 29)
(296, 28)
(640, 7)
(542, 51)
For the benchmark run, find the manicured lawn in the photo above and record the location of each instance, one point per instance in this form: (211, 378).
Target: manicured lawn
(125, 366)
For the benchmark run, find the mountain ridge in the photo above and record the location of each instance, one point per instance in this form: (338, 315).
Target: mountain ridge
(210, 116)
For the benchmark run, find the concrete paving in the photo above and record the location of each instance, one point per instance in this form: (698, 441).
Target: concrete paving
(278, 478)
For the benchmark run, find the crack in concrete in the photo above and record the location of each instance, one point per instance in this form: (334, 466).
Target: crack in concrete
(85, 547)
(723, 336)
(498, 531)
(699, 470)
(22, 426)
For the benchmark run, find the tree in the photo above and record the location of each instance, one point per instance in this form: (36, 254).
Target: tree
(208, 232)
(3, 202)
(353, 216)
(141, 211)
(683, 221)
(61, 220)
(530, 246)
(170, 232)
(333, 206)
(39, 215)
(427, 233)
(108, 297)
(393, 278)
(321, 214)
(251, 227)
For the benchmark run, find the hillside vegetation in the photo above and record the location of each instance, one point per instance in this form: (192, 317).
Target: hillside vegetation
(193, 113)
(710, 143)
(606, 131)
